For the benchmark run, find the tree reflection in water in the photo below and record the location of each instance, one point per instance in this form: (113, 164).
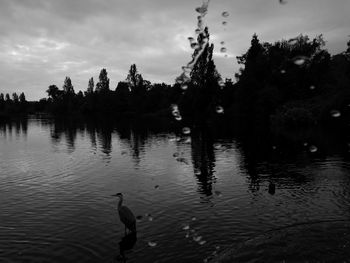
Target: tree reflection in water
(203, 159)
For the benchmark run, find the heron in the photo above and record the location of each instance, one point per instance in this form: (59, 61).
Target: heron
(125, 215)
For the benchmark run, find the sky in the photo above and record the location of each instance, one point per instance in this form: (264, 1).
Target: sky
(43, 41)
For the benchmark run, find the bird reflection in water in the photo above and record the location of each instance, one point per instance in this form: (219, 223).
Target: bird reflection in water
(126, 243)
(128, 219)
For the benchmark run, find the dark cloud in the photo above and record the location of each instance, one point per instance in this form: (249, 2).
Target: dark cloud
(42, 41)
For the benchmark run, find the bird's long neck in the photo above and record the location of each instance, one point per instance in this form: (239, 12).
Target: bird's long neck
(120, 201)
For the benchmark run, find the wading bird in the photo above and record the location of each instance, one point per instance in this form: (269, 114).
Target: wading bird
(125, 215)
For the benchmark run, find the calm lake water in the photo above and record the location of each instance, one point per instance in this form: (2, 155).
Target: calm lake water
(201, 196)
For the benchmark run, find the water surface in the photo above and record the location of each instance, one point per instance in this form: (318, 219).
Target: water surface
(199, 196)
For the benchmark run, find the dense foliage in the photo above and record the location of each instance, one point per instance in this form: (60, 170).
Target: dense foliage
(289, 83)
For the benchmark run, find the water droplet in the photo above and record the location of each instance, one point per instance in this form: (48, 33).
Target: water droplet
(182, 160)
(156, 186)
(300, 60)
(175, 113)
(202, 242)
(191, 39)
(194, 46)
(218, 193)
(184, 86)
(150, 218)
(217, 247)
(226, 55)
(283, 71)
(186, 130)
(224, 23)
(186, 227)
(222, 42)
(194, 218)
(313, 148)
(187, 235)
(274, 147)
(312, 87)
(305, 144)
(335, 113)
(152, 244)
(188, 140)
(219, 109)
(293, 41)
(225, 14)
(223, 50)
(197, 238)
(178, 118)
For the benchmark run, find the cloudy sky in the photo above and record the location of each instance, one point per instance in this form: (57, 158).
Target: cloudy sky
(42, 41)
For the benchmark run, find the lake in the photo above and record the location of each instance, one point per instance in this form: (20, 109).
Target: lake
(199, 197)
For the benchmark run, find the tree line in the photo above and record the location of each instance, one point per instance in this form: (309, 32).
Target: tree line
(291, 83)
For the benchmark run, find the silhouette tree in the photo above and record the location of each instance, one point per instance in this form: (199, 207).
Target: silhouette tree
(91, 85)
(134, 79)
(53, 92)
(204, 89)
(22, 98)
(15, 97)
(68, 87)
(103, 84)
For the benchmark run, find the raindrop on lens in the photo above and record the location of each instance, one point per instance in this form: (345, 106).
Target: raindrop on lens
(300, 60)
(186, 130)
(225, 14)
(335, 114)
(218, 193)
(224, 23)
(223, 50)
(219, 109)
(283, 71)
(186, 227)
(222, 42)
(194, 218)
(197, 172)
(152, 244)
(197, 239)
(312, 87)
(313, 149)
